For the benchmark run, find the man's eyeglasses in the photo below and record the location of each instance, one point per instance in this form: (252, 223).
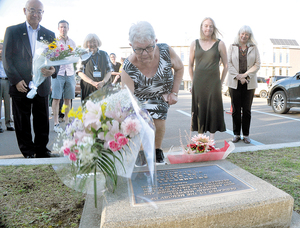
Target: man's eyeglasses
(140, 51)
(32, 12)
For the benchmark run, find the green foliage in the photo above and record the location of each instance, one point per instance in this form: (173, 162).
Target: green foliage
(279, 167)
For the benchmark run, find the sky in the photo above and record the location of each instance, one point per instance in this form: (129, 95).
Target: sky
(174, 22)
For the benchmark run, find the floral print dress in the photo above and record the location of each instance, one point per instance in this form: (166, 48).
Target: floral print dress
(149, 91)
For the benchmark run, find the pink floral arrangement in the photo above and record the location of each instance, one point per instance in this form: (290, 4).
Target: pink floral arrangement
(99, 135)
(201, 149)
(55, 52)
(200, 144)
(47, 55)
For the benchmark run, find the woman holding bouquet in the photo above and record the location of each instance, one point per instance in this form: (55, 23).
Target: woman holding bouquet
(243, 64)
(148, 74)
(95, 72)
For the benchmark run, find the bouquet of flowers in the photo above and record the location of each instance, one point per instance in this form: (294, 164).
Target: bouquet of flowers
(201, 149)
(104, 138)
(200, 144)
(51, 54)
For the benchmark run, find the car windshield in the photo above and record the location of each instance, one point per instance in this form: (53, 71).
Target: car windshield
(261, 80)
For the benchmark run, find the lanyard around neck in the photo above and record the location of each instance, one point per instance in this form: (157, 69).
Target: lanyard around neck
(95, 64)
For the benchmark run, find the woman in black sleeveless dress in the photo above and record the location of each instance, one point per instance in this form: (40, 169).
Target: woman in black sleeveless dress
(207, 105)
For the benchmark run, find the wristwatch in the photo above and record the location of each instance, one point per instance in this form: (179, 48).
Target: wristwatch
(176, 94)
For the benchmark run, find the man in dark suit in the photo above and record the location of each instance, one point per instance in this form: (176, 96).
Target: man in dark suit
(18, 52)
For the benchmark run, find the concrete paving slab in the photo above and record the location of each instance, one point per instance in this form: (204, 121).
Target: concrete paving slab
(266, 207)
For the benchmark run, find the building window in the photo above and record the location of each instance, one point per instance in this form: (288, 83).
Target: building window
(280, 57)
(274, 57)
(182, 56)
(287, 58)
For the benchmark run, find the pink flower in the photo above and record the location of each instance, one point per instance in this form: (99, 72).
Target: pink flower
(56, 54)
(73, 157)
(122, 140)
(114, 146)
(131, 127)
(62, 49)
(67, 151)
(61, 45)
(117, 135)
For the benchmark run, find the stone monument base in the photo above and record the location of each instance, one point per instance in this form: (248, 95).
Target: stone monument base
(263, 206)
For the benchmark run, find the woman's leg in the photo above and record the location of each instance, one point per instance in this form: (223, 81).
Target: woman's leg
(160, 131)
(236, 103)
(246, 105)
(160, 126)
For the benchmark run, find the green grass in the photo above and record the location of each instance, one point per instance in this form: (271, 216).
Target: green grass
(34, 196)
(280, 167)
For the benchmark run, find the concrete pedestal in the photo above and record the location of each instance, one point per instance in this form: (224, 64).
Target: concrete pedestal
(267, 206)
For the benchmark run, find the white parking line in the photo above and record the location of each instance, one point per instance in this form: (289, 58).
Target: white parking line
(184, 113)
(227, 131)
(280, 116)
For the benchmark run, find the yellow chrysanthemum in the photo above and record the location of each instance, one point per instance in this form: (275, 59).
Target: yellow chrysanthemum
(103, 107)
(72, 113)
(79, 116)
(79, 112)
(52, 46)
(71, 49)
(63, 108)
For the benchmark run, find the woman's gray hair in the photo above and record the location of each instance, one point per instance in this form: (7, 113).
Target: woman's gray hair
(140, 32)
(216, 32)
(246, 29)
(89, 37)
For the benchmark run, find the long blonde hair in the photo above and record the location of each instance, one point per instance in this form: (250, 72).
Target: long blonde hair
(216, 32)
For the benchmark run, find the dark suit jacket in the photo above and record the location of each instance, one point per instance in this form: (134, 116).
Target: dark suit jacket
(17, 58)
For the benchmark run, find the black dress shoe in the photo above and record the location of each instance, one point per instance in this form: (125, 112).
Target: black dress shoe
(159, 156)
(236, 138)
(29, 156)
(10, 128)
(47, 154)
(246, 140)
(1, 130)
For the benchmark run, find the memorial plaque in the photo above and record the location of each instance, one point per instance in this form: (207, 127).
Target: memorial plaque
(182, 183)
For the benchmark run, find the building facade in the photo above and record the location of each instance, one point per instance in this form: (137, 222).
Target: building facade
(279, 57)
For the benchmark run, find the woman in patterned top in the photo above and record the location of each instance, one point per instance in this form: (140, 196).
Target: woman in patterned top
(148, 74)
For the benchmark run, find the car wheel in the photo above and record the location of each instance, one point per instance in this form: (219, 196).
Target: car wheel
(263, 94)
(279, 102)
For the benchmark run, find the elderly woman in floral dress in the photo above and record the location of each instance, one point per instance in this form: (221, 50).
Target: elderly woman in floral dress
(148, 73)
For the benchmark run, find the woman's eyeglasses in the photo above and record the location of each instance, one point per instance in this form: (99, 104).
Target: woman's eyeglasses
(140, 51)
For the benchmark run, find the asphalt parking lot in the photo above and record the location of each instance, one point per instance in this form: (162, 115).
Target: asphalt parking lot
(268, 129)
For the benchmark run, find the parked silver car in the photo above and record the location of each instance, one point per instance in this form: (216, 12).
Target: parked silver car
(261, 90)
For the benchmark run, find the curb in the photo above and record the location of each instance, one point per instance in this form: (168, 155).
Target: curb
(91, 217)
